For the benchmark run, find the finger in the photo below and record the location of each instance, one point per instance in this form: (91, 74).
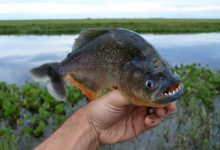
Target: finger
(152, 121)
(172, 107)
(160, 112)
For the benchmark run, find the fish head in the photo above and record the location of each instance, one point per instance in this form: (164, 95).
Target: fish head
(147, 84)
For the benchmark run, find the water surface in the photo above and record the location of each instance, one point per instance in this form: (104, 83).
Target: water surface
(20, 53)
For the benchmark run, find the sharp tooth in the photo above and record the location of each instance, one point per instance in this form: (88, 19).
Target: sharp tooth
(177, 90)
(170, 93)
(174, 92)
(165, 94)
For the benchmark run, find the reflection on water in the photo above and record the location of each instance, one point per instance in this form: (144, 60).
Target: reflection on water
(20, 53)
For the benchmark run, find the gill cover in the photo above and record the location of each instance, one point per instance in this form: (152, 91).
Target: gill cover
(132, 83)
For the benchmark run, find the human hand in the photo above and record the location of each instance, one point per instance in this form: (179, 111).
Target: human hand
(106, 120)
(114, 119)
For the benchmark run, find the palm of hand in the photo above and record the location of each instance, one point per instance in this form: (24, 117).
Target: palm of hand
(116, 121)
(127, 124)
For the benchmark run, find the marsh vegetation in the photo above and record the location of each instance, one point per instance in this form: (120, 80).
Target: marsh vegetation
(73, 26)
(28, 114)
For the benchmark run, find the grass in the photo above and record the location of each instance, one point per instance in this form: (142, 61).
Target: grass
(73, 26)
(28, 114)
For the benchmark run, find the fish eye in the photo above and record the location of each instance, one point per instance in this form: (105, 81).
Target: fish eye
(149, 84)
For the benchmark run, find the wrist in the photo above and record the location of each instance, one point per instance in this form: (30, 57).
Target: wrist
(85, 133)
(76, 133)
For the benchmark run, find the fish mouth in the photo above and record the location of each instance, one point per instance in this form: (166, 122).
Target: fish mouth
(170, 94)
(172, 89)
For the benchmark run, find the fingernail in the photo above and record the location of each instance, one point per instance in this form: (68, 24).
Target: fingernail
(165, 111)
(161, 112)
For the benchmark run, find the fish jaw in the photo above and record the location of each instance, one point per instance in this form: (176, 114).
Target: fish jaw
(161, 97)
(169, 94)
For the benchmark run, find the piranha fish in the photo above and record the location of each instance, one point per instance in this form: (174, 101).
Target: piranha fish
(113, 59)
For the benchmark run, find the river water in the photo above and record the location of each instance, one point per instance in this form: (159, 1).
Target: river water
(20, 53)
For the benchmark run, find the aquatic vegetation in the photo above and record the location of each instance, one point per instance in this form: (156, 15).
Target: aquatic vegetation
(8, 140)
(28, 114)
(197, 119)
(73, 26)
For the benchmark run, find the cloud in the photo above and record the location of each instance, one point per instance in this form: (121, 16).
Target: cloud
(109, 9)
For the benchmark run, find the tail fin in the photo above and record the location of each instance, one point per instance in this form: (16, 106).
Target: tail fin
(50, 73)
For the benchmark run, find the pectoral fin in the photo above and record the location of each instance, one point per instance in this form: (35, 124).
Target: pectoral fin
(90, 94)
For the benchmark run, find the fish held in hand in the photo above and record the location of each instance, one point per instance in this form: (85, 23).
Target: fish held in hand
(113, 59)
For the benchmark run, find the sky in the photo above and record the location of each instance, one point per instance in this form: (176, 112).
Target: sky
(66, 9)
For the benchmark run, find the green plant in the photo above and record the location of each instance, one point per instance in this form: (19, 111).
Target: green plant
(28, 114)
(197, 119)
(7, 139)
(73, 26)
(29, 110)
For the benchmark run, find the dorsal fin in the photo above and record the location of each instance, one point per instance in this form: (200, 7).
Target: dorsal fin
(86, 35)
